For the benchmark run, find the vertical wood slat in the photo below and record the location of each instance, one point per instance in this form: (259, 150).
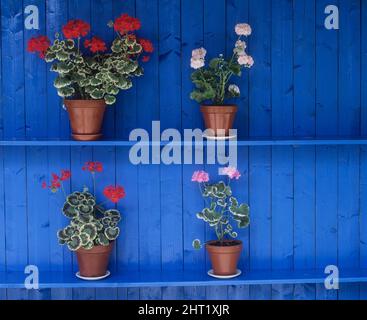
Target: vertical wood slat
(127, 175)
(238, 12)
(191, 37)
(326, 156)
(282, 157)
(36, 127)
(170, 117)
(260, 158)
(363, 163)
(348, 156)
(14, 160)
(149, 176)
(304, 21)
(214, 27)
(58, 158)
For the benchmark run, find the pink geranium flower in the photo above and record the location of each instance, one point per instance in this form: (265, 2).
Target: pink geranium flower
(200, 176)
(231, 172)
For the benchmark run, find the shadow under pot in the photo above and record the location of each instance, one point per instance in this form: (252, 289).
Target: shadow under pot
(86, 118)
(93, 263)
(219, 118)
(224, 256)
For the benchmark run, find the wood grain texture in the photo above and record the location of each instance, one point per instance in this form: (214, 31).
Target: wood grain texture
(302, 154)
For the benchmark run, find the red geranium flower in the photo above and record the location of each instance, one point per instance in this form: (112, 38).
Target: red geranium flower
(44, 185)
(65, 175)
(93, 166)
(39, 44)
(145, 58)
(147, 45)
(55, 177)
(76, 29)
(95, 45)
(125, 24)
(114, 194)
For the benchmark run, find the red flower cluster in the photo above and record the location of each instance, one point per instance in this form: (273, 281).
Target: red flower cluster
(114, 194)
(93, 166)
(76, 29)
(147, 45)
(57, 180)
(125, 24)
(39, 44)
(95, 45)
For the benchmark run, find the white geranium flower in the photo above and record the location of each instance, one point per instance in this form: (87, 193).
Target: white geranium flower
(197, 63)
(234, 89)
(245, 60)
(199, 53)
(243, 29)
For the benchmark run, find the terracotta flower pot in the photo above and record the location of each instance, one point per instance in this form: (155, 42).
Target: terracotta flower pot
(224, 258)
(86, 117)
(219, 117)
(94, 262)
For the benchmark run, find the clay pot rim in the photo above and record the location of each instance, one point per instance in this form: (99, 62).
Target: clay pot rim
(97, 249)
(230, 249)
(85, 103)
(228, 108)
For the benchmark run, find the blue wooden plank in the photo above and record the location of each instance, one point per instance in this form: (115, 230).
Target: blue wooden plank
(149, 177)
(349, 68)
(326, 157)
(58, 158)
(282, 157)
(36, 127)
(14, 126)
(237, 11)
(101, 13)
(126, 173)
(349, 124)
(304, 125)
(2, 189)
(260, 18)
(170, 116)
(363, 191)
(192, 37)
(215, 43)
(151, 279)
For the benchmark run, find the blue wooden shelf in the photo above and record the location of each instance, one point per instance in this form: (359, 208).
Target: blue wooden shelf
(244, 143)
(54, 279)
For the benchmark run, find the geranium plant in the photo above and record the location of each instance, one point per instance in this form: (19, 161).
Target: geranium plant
(91, 224)
(222, 208)
(89, 68)
(213, 81)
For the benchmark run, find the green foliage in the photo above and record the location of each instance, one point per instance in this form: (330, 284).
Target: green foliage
(212, 83)
(90, 224)
(101, 76)
(221, 209)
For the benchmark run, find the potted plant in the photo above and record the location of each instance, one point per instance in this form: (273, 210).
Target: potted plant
(89, 74)
(221, 209)
(93, 229)
(213, 84)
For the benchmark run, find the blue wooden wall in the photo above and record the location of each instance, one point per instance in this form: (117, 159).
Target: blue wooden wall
(308, 204)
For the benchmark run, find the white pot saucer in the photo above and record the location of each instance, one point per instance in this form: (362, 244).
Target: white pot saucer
(218, 138)
(93, 278)
(238, 272)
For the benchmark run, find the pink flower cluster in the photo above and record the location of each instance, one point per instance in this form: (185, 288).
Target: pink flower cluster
(231, 172)
(198, 58)
(200, 176)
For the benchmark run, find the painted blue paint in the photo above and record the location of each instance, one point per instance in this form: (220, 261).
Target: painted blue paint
(301, 153)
